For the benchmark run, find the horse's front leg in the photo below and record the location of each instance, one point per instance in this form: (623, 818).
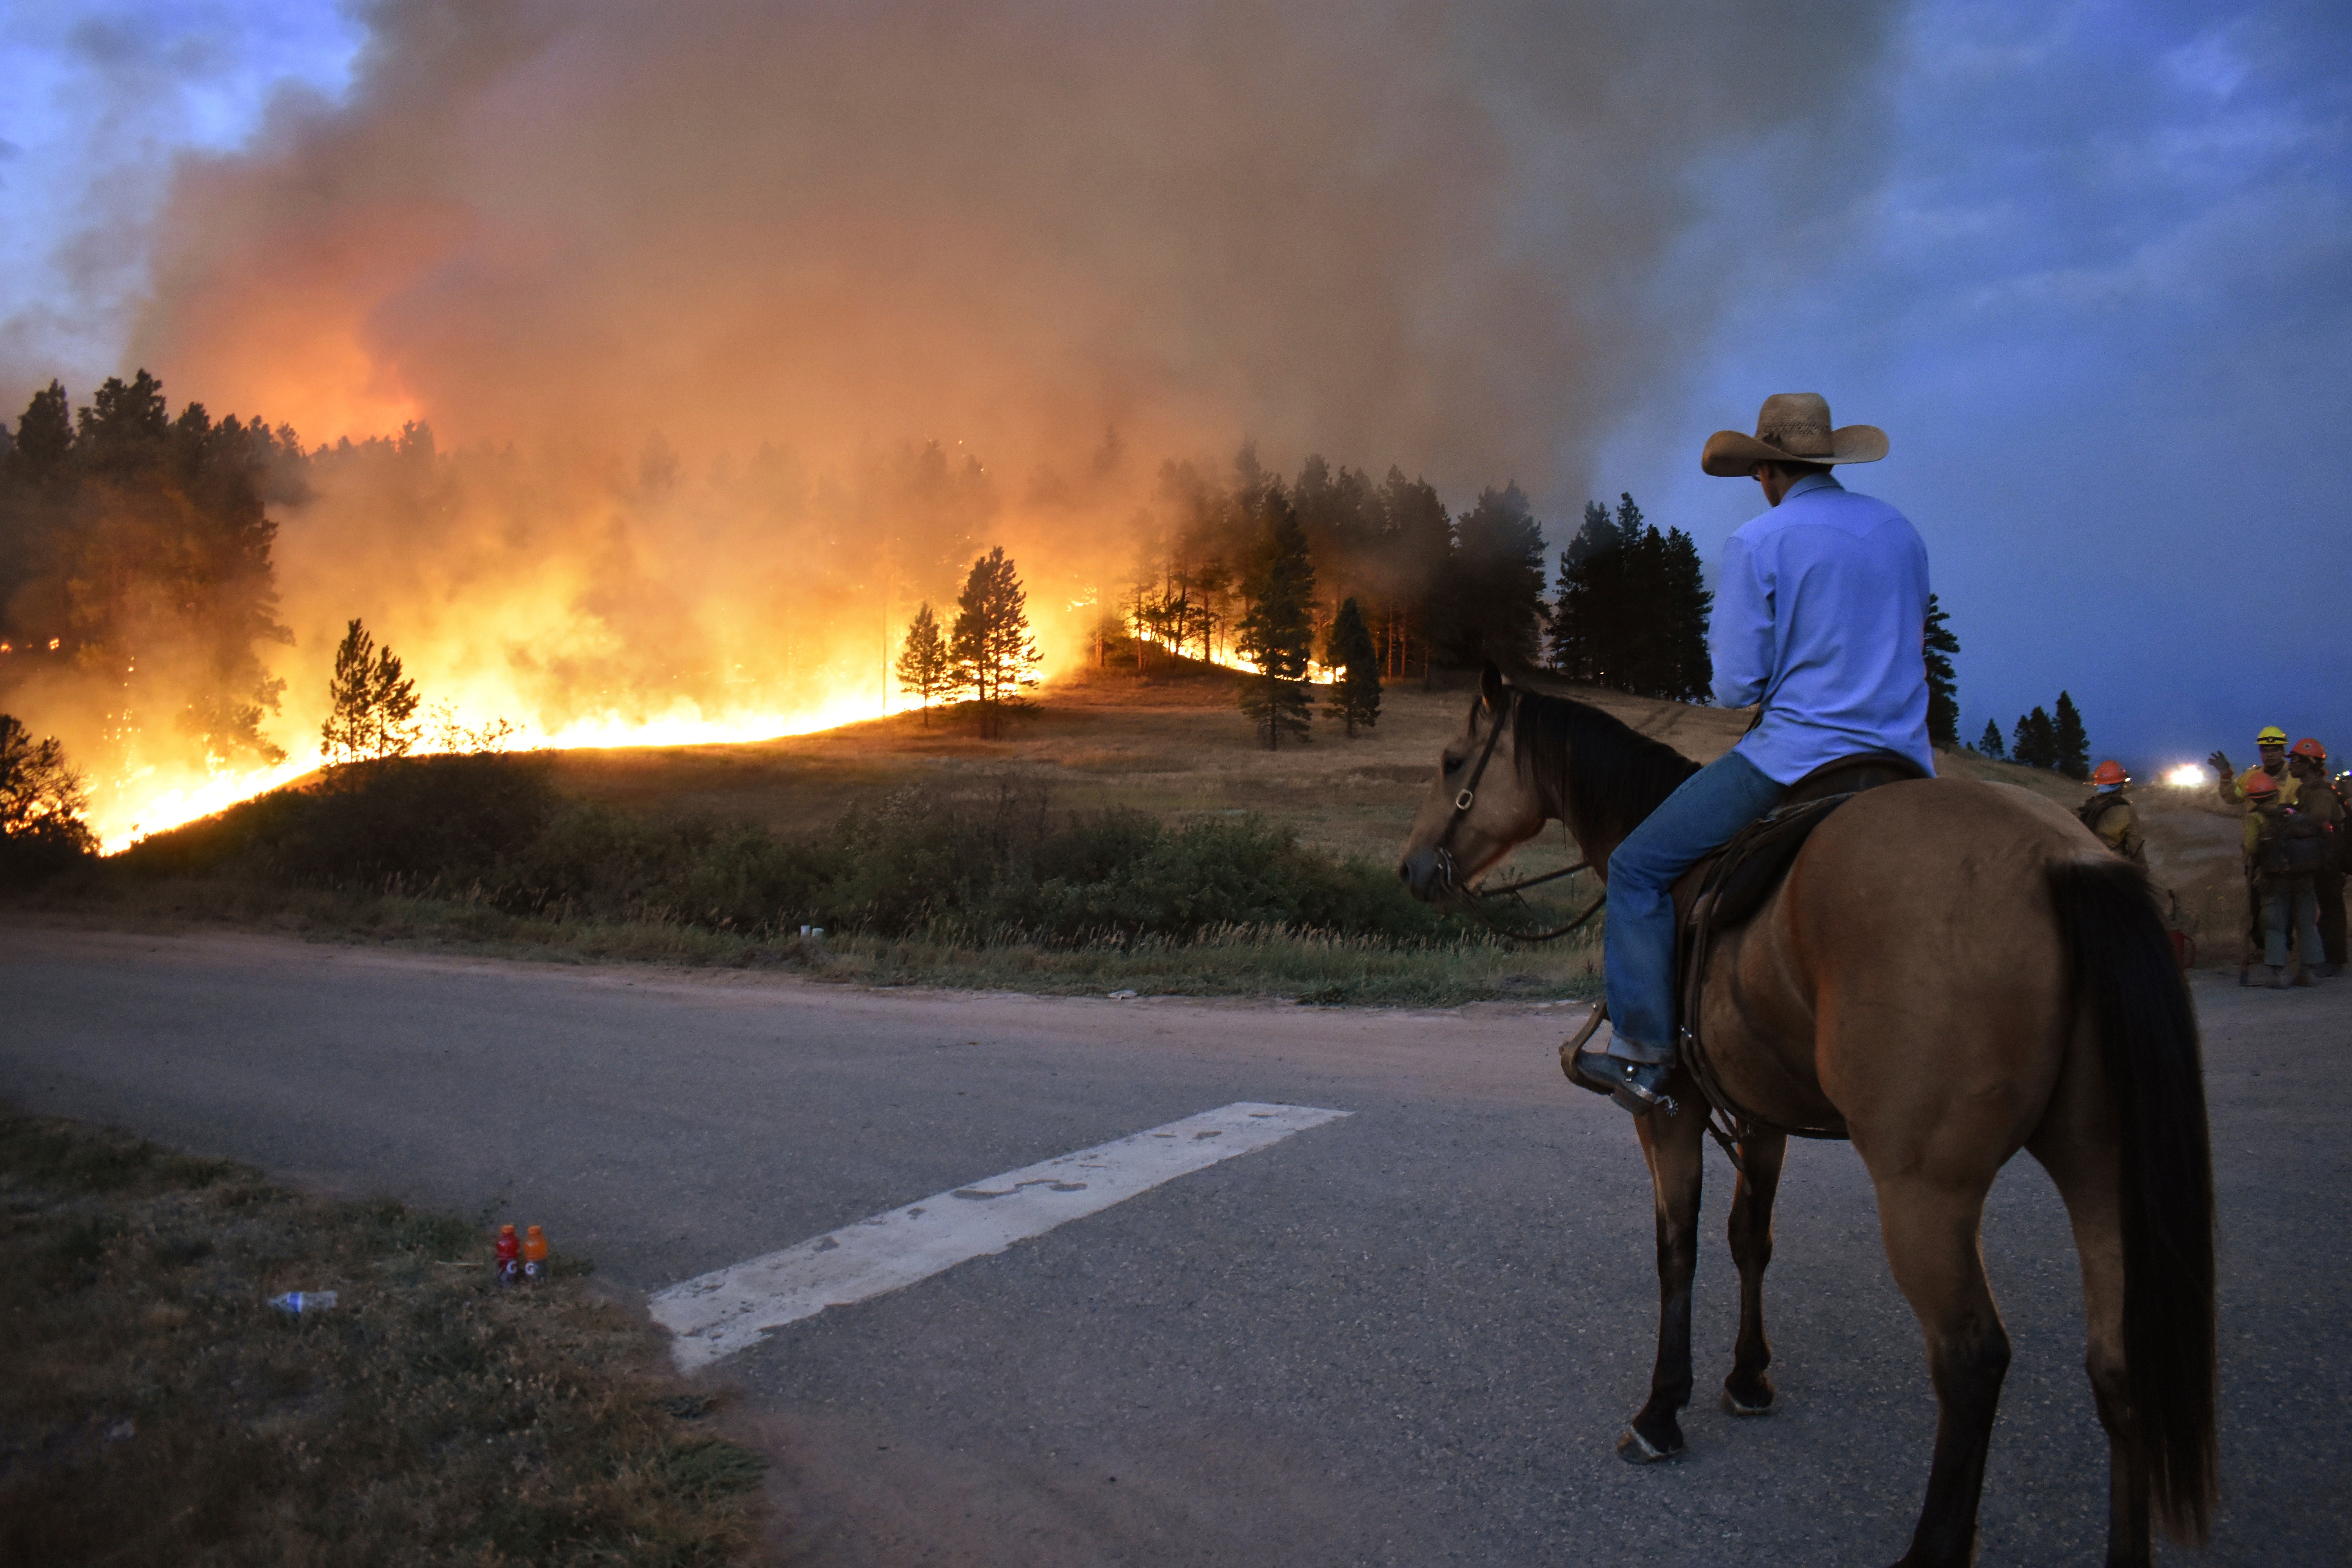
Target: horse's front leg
(1672, 1146)
(1749, 1391)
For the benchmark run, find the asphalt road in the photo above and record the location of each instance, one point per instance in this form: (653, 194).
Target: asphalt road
(1407, 1337)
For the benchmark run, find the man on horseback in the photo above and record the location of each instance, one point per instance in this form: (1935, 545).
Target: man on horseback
(1820, 611)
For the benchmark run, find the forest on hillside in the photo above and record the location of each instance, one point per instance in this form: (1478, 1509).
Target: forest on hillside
(139, 575)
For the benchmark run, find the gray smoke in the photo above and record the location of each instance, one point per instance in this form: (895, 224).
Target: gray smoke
(1395, 232)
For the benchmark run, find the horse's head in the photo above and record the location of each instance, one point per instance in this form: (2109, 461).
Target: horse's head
(1482, 805)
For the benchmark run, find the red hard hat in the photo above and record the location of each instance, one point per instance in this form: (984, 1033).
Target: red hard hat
(2308, 747)
(2110, 772)
(2260, 782)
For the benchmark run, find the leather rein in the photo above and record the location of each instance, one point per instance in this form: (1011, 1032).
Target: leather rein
(1472, 898)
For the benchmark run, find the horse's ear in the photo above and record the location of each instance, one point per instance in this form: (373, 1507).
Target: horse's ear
(1490, 687)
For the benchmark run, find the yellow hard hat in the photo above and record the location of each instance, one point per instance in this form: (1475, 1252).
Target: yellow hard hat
(2270, 735)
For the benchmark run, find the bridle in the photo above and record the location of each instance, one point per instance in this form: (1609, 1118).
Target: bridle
(1470, 897)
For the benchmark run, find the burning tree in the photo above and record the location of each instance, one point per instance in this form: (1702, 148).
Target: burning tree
(1355, 699)
(1276, 633)
(136, 547)
(370, 706)
(924, 667)
(994, 655)
(41, 804)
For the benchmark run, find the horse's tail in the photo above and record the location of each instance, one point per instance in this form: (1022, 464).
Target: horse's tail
(2128, 975)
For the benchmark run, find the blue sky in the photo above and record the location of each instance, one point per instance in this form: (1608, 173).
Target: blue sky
(2097, 287)
(95, 103)
(2090, 265)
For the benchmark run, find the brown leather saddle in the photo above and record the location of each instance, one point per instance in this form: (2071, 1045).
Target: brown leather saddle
(1725, 891)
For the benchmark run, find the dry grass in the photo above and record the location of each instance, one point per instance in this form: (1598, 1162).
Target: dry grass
(154, 1409)
(1175, 748)
(1311, 968)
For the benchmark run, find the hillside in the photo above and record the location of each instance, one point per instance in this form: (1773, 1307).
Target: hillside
(1176, 747)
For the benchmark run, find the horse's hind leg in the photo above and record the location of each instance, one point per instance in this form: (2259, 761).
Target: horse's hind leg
(1931, 1229)
(1749, 1391)
(1671, 1146)
(2078, 1150)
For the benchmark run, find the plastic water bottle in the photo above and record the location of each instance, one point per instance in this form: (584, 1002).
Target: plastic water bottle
(300, 1301)
(534, 1257)
(509, 1255)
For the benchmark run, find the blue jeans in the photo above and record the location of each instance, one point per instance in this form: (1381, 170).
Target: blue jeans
(2289, 907)
(1638, 947)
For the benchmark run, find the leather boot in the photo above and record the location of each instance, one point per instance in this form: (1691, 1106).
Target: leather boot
(2304, 976)
(1639, 1087)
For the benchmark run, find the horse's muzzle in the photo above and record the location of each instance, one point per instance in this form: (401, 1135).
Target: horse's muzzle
(1423, 871)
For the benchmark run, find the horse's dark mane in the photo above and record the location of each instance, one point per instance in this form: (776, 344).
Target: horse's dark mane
(1621, 775)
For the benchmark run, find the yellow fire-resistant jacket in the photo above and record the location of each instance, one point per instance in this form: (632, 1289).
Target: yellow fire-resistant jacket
(2234, 790)
(2112, 818)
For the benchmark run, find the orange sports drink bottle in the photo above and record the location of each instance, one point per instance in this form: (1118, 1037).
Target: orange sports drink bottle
(509, 1255)
(534, 1256)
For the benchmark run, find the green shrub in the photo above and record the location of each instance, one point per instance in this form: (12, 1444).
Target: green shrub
(410, 821)
(931, 863)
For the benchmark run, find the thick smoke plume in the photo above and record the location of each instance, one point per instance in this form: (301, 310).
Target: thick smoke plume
(739, 323)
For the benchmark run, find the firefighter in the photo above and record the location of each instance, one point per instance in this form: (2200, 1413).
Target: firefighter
(2270, 741)
(2108, 814)
(2284, 848)
(2323, 799)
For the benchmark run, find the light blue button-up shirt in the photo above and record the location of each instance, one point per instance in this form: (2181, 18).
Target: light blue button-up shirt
(1821, 609)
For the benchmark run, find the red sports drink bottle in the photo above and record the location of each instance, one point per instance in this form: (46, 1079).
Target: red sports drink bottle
(509, 1255)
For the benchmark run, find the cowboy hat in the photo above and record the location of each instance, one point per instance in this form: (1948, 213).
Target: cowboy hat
(1793, 428)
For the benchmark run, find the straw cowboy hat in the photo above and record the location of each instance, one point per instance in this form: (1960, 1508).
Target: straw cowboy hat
(1794, 426)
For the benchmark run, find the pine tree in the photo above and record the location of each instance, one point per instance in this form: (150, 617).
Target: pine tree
(1990, 743)
(1943, 689)
(1686, 670)
(45, 435)
(2035, 742)
(371, 705)
(1490, 598)
(1634, 607)
(993, 653)
(140, 544)
(1584, 623)
(1415, 537)
(2070, 749)
(924, 667)
(1276, 633)
(1355, 699)
(42, 803)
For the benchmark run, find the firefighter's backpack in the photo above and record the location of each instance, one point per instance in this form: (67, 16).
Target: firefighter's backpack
(2292, 843)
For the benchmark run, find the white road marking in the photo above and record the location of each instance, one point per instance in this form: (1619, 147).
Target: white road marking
(733, 1308)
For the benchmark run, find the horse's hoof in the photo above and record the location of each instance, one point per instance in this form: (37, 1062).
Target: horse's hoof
(1735, 1406)
(1636, 1449)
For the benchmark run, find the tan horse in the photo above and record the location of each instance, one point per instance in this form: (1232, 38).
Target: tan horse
(1953, 971)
